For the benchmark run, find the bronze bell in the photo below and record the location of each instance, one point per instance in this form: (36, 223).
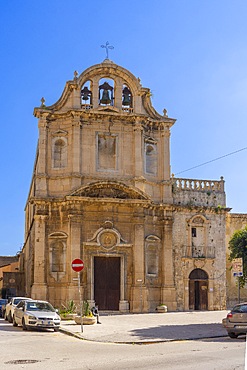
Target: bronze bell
(85, 93)
(126, 97)
(105, 97)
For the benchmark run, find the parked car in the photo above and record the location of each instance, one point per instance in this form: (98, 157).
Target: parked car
(36, 314)
(9, 309)
(236, 320)
(3, 303)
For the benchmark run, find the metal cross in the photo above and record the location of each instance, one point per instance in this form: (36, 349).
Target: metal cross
(107, 47)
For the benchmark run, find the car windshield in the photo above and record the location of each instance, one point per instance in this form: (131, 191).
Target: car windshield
(17, 300)
(39, 306)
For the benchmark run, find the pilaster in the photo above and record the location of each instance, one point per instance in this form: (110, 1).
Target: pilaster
(39, 287)
(138, 149)
(139, 294)
(168, 291)
(41, 182)
(74, 251)
(76, 151)
(165, 162)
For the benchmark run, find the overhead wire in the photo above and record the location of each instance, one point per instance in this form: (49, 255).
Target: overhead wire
(212, 160)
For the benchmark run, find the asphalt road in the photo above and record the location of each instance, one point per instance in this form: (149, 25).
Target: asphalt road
(47, 349)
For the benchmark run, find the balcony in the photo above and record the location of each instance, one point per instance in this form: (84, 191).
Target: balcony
(198, 252)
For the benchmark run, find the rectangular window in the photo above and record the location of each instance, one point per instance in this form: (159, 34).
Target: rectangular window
(193, 232)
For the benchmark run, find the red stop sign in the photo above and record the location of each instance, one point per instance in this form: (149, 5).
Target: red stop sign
(77, 265)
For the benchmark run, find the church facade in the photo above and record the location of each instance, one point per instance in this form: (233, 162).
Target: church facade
(102, 191)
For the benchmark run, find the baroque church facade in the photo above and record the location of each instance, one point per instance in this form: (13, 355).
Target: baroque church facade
(102, 191)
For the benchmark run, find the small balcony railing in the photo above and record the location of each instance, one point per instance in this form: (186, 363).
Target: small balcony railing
(86, 106)
(198, 252)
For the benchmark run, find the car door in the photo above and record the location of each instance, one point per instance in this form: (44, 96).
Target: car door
(19, 311)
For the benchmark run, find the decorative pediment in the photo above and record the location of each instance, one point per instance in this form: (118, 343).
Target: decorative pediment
(59, 133)
(108, 109)
(109, 190)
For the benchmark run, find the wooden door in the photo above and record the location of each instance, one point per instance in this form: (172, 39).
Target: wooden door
(198, 290)
(203, 286)
(198, 295)
(107, 282)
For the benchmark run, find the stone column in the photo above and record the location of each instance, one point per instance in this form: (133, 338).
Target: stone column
(139, 292)
(168, 292)
(39, 287)
(118, 93)
(41, 185)
(95, 91)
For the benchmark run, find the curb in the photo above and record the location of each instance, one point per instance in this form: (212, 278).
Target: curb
(78, 336)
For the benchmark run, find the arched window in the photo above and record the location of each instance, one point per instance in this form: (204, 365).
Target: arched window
(60, 153)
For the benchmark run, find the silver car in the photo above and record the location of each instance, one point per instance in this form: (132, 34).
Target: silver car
(236, 320)
(9, 308)
(36, 314)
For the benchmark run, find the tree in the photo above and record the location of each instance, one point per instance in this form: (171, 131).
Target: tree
(238, 249)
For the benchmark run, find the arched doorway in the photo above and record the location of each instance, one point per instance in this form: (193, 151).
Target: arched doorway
(198, 285)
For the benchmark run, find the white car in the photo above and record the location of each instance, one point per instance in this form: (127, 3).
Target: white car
(36, 314)
(9, 309)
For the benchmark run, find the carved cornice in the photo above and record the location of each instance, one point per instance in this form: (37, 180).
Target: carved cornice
(85, 117)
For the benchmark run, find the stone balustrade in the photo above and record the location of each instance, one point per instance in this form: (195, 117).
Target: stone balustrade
(198, 185)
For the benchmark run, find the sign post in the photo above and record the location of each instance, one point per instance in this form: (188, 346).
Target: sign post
(237, 271)
(78, 265)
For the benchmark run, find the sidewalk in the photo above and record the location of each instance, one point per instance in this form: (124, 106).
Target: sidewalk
(150, 327)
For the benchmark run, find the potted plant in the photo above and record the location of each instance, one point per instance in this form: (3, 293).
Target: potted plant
(87, 315)
(161, 308)
(68, 310)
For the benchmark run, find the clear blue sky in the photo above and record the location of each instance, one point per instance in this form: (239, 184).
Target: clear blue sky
(192, 54)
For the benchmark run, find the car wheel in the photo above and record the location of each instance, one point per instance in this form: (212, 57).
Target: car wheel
(14, 322)
(10, 318)
(56, 329)
(233, 335)
(24, 326)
